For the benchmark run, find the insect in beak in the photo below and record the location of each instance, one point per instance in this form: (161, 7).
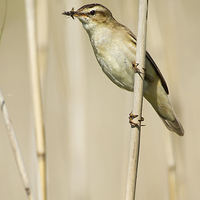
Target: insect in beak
(70, 13)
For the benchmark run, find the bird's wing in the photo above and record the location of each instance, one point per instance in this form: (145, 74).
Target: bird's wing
(164, 84)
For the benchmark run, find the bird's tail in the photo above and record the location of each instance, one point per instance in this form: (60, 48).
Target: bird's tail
(174, 125)
(157, 97)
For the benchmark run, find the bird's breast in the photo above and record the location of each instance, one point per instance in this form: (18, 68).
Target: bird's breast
(116, 59)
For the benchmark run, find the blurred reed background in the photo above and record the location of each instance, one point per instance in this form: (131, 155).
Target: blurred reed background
(86, 115)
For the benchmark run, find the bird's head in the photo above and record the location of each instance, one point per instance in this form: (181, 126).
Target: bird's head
(91, 15)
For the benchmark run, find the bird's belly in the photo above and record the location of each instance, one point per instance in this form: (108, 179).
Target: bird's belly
(118, 68)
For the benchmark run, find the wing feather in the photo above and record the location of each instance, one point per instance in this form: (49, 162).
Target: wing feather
(164, 84)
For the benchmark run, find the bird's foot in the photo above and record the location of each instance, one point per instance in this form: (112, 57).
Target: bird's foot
(134, 64)
(137, 70)
(134, 124)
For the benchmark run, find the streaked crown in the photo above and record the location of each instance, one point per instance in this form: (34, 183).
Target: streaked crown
(93, 12)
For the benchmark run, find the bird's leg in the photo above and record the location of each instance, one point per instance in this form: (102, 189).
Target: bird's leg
(147, 77)
(134, 64)
(137, 70)
(141, 120)
(132, 123)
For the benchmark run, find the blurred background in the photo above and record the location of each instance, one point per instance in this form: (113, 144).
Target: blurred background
(86, 115)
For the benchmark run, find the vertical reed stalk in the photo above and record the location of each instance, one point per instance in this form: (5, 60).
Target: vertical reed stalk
(36, 93)
(12, 136)
(42, 37)
(15, 148)
(172, 175)
(137, 101)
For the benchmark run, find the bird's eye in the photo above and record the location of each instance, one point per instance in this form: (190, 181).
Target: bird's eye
(92, 12)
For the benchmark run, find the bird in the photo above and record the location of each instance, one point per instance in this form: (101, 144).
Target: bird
(114, 46)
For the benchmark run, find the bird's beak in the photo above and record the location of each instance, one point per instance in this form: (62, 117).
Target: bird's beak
(73, 13)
